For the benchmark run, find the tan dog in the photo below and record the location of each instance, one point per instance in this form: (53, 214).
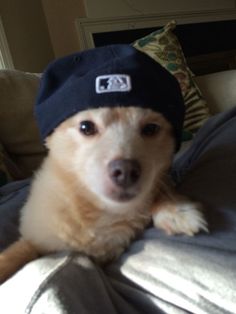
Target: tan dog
(102, 181)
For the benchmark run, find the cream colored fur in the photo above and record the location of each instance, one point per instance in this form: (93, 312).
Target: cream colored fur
(73, 204)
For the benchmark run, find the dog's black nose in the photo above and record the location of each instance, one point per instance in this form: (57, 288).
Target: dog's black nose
(124, 172)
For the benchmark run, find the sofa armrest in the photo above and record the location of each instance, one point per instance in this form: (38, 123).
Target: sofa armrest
(219, 90)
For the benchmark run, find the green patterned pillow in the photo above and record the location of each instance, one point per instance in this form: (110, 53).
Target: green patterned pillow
(164, 47)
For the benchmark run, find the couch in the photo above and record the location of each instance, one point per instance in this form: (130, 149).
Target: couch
(157, 274)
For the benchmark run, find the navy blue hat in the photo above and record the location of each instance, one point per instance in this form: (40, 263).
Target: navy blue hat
(110, 76)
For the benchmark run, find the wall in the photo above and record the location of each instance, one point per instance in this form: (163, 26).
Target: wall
(61, 16)
(40, 30)
(27, 34)
(108, 8)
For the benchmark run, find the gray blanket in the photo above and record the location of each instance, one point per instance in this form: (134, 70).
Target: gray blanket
(158, 273)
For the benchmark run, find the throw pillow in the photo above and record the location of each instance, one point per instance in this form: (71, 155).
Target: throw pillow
(164, 47)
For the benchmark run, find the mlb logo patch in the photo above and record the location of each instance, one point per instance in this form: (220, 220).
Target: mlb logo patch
(113, 83)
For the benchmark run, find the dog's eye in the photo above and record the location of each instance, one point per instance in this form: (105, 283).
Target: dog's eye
(150, 129)
(88, 128)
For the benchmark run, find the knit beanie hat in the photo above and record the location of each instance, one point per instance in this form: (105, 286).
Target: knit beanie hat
(110, 76)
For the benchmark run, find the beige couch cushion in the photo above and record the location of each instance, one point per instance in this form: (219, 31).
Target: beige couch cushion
(18, 131)
(219, 90)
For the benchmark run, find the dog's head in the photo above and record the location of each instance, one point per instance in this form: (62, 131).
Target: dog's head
(116, 156)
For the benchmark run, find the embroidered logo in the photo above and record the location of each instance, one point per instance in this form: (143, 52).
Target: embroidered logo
(113, 83)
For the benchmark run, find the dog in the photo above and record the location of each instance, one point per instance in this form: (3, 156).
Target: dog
(104, 179)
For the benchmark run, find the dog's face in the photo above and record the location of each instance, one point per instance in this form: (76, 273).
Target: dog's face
(115, 155)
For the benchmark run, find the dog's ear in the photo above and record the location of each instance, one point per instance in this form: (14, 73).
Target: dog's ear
(47, 141)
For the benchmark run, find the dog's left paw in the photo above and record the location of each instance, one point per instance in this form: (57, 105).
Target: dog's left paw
(180, 217)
